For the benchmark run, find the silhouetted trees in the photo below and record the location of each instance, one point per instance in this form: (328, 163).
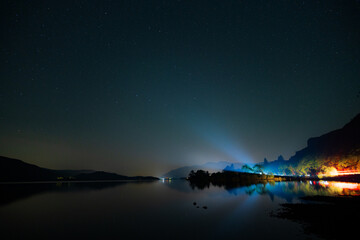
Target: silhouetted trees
(199, 174)
(229, 179)
(258, 168)
(247, 168)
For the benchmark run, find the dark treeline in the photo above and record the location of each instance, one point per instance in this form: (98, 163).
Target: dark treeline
(202, 179)
(230, 179)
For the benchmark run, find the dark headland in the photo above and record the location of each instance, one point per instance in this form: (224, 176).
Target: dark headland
(334, 156)
(14, 170)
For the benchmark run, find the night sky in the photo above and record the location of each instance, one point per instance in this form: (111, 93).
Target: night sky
(141, 87)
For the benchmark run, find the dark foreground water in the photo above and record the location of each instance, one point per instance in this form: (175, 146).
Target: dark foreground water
(154, 210)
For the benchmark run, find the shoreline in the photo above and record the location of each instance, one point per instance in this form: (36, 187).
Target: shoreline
(79, 181)
(229, 179)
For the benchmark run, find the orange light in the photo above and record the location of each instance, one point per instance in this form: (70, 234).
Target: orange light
(333, 172)
(342, 188)
(346, 185)
(348, 172)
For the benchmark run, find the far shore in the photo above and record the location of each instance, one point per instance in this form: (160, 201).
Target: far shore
(77, 181)
(245, 178)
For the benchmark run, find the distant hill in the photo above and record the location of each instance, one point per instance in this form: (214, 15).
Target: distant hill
(183, 172)
(100, 175)
(71, 173)
(337, 150)
(17, 170)
(14, 170)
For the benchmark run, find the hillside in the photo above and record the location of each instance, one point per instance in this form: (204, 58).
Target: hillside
(17, 170)
(14, 170)
(336, 152)
(100, 175)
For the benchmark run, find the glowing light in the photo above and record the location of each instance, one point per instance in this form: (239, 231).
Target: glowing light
(223, 142)
(342, 188)
(348, 172)
(347, 185)
(333, 172)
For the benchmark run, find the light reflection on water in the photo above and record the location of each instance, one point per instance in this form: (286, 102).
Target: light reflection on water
(314, 188)
(341, 188)
(296, 189)
(154, 210)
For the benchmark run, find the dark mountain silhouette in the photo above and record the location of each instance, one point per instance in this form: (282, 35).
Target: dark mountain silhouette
(14, 170)
(100, 175)
(338, 143)
(339, 149)
(17, 170)
(71, 173)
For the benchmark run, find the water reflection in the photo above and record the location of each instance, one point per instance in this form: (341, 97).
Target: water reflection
(342, 188)
(289, 190)
(11, 192)
(326, 208)
(284, 190)
(98, 210)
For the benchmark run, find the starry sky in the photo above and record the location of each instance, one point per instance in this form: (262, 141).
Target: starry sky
(141, 87)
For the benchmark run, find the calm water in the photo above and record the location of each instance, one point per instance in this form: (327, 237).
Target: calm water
(155, 210)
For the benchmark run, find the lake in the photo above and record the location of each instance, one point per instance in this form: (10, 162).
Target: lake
(155, 210)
